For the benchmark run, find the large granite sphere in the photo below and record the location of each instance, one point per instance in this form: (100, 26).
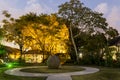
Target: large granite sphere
(53, 62)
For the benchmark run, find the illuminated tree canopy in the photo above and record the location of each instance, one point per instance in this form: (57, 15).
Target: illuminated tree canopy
(37, 32)
(75, 30)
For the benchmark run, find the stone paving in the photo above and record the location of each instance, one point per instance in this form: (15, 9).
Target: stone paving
(51, 76)
(59, 77)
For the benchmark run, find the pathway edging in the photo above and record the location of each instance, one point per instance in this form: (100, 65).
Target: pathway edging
(51, 76)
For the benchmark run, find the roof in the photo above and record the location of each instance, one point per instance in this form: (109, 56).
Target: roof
(10, 49)
(114, 41)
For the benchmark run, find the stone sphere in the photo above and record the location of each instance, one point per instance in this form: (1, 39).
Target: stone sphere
(53, 62)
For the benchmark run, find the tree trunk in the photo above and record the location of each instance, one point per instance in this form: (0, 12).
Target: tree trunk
(72, 54)
(74, 45)
(43, 52)
(21, 52)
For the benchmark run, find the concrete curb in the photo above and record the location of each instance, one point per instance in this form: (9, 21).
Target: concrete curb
(51, 76)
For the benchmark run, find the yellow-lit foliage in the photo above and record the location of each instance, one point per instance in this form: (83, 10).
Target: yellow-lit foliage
(33, 58)
(113, 52)
(50, 37)
(14, 55)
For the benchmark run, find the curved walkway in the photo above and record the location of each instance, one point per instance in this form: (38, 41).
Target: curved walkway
(52, 76)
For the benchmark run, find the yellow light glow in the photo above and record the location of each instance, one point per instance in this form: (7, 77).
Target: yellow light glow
(14, 56)
(44, 40)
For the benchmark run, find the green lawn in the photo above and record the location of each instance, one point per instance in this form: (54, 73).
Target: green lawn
(63, 69)
(9, 77)
(104, 74)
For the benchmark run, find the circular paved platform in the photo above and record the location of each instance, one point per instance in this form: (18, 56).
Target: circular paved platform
(17, 72)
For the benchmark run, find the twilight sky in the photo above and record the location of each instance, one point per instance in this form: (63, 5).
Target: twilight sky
(110, 8)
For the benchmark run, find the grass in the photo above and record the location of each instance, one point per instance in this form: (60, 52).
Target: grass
(63, 69)
(9, 77)
(103, 74)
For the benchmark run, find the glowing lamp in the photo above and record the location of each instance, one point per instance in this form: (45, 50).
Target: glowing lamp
(9, 65)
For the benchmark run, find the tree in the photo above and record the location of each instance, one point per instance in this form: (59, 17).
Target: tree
(14, 31)
(2, 52)
(69, 11)
(46, 33)
(111, 33)
(1, 33)
(37, 32)
(80, 19)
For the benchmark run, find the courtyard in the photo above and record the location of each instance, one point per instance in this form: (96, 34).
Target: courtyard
(59, 40)
(104, 73)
